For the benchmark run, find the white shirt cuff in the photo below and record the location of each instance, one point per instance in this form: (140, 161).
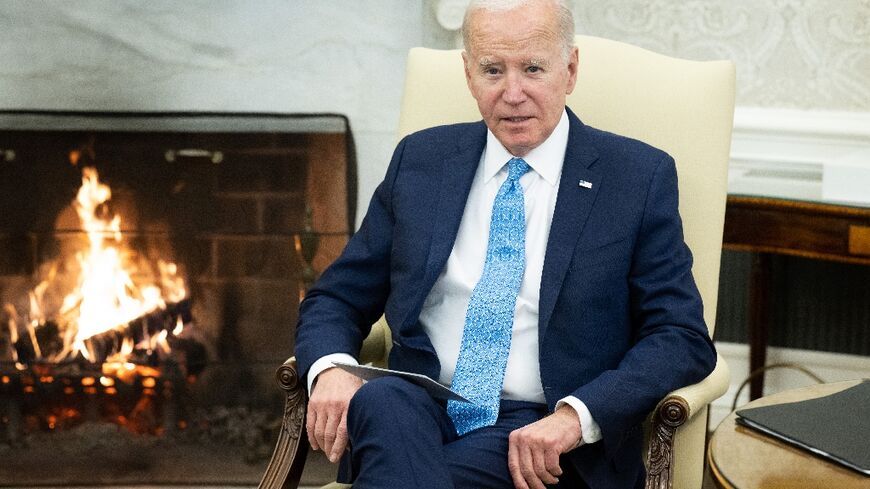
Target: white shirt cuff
(324, 363)
(590, 432)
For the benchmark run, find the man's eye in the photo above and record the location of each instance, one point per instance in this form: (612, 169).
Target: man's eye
(534, 69)
(491, 71)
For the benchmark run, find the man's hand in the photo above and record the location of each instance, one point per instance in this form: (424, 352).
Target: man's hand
(533, 451)
(327, 411)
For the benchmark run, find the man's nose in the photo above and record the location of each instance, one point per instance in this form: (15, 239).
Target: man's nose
(514, 90)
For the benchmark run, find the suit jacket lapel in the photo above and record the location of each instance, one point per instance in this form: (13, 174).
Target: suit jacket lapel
(573, 204)
(457, 174)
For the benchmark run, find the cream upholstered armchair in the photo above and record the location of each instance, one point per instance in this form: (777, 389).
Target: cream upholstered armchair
(683, 107)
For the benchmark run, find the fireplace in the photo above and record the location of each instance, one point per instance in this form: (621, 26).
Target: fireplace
(158, 367)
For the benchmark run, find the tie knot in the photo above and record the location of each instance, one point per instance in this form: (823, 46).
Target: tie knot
(517, 167)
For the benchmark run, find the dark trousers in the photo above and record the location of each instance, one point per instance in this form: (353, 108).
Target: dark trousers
(401, 437)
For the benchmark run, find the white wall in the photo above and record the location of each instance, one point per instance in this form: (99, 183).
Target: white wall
(798, 54)
(345, 56)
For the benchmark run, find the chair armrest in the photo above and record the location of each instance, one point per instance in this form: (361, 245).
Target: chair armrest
(672, 412)
(288, 459)
(285, 469)
(697, 396)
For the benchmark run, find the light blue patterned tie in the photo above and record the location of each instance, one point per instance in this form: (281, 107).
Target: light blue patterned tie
(486, 340)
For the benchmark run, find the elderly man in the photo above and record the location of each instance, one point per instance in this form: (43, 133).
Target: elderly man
(535, 265)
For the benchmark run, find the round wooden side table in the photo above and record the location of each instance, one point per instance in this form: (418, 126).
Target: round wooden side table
(741, 458)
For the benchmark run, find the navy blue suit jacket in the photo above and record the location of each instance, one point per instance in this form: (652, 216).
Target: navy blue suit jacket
(621, 321)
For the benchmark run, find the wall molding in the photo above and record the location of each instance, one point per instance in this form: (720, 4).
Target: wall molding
(839, 125)
(783, 152)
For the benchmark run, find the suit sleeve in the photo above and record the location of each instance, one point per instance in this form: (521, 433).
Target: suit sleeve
(338, 311)
(672, 347)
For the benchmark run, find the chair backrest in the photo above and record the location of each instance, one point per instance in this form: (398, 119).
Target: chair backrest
(683, 107)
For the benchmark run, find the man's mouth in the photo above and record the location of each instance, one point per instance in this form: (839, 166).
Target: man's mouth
(516, 119)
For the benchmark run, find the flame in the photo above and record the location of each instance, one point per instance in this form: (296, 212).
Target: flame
(12, 325)
(179, 327)
(105, 295)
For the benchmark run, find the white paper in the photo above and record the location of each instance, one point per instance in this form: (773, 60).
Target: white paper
(367, 372)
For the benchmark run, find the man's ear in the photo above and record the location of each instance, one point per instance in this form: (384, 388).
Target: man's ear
(573, 68)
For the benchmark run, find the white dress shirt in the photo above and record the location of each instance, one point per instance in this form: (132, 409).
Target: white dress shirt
(443, 313)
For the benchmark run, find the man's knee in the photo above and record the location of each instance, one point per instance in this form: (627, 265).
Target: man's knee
(384, 396)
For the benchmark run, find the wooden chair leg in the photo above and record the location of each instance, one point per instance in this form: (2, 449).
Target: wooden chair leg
(288, 459)
(669, 415)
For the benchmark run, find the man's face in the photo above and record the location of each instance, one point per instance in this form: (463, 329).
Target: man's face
(516, 72)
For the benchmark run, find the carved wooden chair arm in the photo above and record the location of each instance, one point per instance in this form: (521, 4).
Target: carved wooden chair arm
(672, 412)
(285, 469)
(288, 459)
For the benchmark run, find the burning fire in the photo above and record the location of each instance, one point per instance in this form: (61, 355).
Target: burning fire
(105, 296)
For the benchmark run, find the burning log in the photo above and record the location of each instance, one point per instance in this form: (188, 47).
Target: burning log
(143, 331)
(41, 342)
(133, 375)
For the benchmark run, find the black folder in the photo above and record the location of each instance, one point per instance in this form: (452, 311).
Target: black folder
(835, 427)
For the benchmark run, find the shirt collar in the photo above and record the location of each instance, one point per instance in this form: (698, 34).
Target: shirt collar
(546, 159)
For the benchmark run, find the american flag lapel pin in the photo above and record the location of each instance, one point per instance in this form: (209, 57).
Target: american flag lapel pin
(585, 184)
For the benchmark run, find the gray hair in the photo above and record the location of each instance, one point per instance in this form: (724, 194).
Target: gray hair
(565, 18)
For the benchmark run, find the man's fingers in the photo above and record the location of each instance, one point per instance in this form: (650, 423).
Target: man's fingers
(320, 429)
(527, 467)
(540, 463)
(309, 427)
(551, 461)
(340, 442)
(532, 457)
(329, 431)
(521, 462)
(514, 462)
(327, 411)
